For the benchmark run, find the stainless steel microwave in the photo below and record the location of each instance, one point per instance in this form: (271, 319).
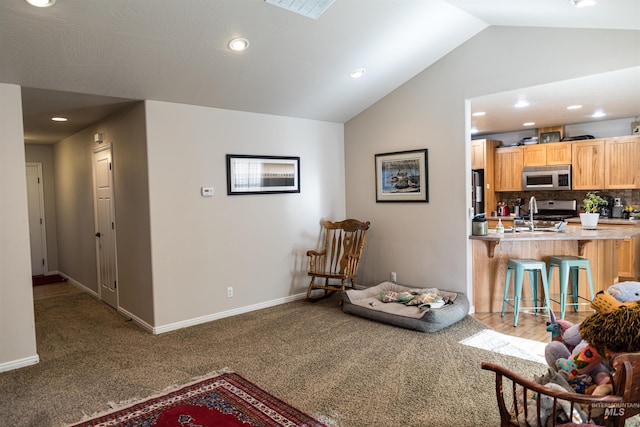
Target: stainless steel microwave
(549, 178)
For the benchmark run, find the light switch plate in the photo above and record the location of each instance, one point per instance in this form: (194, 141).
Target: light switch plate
(207, 191)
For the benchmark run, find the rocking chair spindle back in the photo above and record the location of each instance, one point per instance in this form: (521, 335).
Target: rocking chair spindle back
(339, 259)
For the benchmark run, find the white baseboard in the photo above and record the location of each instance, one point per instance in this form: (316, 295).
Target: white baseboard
(20, 363)
(223, 314)
(144, 325)
(190, 322)
(80, 286)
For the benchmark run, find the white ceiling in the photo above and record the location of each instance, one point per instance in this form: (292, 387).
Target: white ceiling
(176, 51)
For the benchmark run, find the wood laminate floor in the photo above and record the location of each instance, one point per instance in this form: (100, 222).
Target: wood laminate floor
(529, 326)
(54, 290)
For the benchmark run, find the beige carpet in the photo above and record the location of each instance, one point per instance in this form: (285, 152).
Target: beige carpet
(343, 370)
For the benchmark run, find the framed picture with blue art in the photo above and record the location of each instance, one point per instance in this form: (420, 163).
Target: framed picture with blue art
(402, 176)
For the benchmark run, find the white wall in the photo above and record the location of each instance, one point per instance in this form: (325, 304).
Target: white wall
(17, 326)
(254, 243)
(44, 154)
(125, 132)
(427, 244)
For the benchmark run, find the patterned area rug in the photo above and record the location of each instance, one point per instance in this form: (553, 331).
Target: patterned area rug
(225, 400)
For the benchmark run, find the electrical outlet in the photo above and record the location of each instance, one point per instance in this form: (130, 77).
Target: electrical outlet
(394, 277)
(229, 292)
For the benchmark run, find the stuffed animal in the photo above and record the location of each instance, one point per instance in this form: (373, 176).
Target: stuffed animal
(614, 328)
(625, 291)
(565, 412)
(582, 358)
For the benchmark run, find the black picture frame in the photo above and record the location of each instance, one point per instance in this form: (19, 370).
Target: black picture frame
(402, 176)
(249, 174)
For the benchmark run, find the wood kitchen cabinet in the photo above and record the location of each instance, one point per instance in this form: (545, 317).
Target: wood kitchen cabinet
(554, 153)
(628, 256)
(508, 169)
(534, 155)
(622, 157)
(558, 153)
(482, 157)
(478, 154)
(587, 159)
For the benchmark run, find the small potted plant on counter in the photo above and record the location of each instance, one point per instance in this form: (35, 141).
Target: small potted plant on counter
(589, 219)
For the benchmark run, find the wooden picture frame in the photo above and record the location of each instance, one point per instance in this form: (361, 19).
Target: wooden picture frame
(402, 176)
(247, 174)
(547, 137)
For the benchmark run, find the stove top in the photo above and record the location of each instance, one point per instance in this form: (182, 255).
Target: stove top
(554, 210)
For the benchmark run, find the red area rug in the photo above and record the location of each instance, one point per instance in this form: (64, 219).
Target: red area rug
(225, 400)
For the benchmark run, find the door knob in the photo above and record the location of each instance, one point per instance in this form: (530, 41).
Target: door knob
(98, 234)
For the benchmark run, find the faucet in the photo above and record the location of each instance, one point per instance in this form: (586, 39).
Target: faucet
(533, 208)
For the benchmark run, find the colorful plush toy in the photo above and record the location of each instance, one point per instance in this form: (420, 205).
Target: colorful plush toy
(579, 352)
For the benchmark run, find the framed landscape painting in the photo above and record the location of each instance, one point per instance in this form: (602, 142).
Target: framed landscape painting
(262, 174)
(402, 176)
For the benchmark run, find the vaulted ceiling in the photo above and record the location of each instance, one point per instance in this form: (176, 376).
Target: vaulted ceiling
(87, 58)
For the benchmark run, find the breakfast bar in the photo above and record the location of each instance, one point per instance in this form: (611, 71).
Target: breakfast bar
(491, 253)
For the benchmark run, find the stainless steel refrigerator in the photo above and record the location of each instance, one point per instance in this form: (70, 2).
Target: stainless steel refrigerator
(477, 192)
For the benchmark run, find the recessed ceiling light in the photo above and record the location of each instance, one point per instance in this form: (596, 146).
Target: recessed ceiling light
(357, 73)
(598, 114)
(238, 44)
(41, 3)
(521, 104)
(582, 3)
(479, 114)
(59, 119)
(529, 124)
(574, 107)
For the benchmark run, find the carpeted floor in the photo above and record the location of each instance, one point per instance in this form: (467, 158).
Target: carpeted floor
(342, 370)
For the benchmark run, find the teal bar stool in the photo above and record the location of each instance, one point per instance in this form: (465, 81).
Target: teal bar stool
(519, 266)
(570, 267)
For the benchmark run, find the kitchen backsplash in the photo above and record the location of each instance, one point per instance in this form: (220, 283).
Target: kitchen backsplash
(628, 197)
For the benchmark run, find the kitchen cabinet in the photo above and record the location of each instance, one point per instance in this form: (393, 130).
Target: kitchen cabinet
(628, 256)
(478, 154)
(622, 156)
(482, 157)
(534, 155)
(628, 265)
(554, 153)
(508, 169)
(558, 153)
(587, 159)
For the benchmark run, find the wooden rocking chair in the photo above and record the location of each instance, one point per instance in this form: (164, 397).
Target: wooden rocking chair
(612, 410)
(340, 257)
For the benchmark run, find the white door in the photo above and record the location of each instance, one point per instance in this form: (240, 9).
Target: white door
(105, 226)
(37, 234)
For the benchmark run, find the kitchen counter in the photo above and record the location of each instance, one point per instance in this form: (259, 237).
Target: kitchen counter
(576, 220)
(491, 252)
(571, 232)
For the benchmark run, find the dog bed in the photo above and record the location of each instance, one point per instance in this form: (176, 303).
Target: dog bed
(367, 303)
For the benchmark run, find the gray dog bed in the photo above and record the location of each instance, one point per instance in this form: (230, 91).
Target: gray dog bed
(366, 303)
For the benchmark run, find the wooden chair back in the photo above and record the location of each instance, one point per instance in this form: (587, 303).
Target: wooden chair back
(339, 258)
(627, 368)
(611, 410)
(343, 245)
